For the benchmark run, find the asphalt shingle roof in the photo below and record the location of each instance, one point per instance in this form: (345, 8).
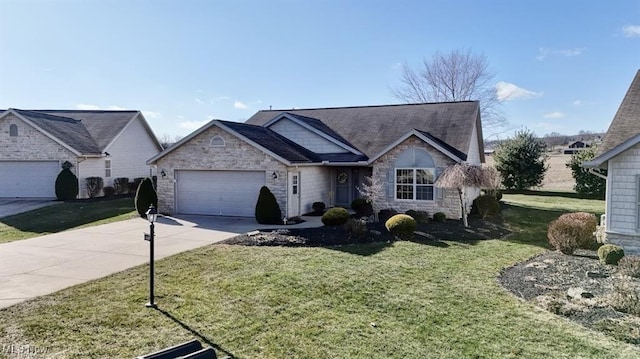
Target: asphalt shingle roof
(371, 129)
(626, 123)
(86, 131)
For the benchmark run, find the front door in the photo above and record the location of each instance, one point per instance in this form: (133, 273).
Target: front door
(293, 200)
(343, 187)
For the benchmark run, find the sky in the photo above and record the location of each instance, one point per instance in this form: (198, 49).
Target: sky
(560, 66)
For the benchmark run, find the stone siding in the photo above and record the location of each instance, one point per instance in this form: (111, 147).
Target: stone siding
(30, 144)
(448, 202)
(198, 154)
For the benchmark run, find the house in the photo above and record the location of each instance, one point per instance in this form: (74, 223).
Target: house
(619, 154)
(577, 146)
(107, 144)
(321, 155)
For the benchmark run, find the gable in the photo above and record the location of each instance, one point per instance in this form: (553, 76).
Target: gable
(30, 143)
(626, 122)
(305, 137)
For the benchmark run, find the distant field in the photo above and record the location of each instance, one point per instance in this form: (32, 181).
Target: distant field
(558, 177)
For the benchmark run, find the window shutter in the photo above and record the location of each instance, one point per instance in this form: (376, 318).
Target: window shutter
(390, 182)
(439, 192)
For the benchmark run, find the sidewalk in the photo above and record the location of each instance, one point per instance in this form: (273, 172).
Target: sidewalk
(37, 266)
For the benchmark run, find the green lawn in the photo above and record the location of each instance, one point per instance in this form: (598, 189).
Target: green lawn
(385, 300)
(63, 216)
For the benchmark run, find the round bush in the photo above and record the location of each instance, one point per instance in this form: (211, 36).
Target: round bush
(401, 225)
(267, 210)
(145, 196)
(336, 216)
(362, 207)
(572, 231)
(439, 217)
(610, 254)
(66, 185)
(318, 207)
(419, 216)
(485, 205)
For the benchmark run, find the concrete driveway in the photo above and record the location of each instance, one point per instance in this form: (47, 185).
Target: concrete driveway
(42, 265)
(11, 206)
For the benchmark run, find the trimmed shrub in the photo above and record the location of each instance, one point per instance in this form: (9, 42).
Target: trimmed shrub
(108, 191)
(385, 214)
(335, 216)
(439, 217)
(267, 209)
(401, 226)
(356, 229)
(94, 186)
(145, 196)
(66, 185)
(318, 207)
(419, 216)
(485, 205)
(133, 186)
(610, 254)
(572, 231)
(362, 207)
(121, 185)
(630, 265)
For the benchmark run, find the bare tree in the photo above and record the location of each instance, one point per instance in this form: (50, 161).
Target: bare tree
(167, 141)
(465, 179)
(456, 76)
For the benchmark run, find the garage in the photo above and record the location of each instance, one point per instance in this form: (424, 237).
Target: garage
(218, 193)
(31, 179)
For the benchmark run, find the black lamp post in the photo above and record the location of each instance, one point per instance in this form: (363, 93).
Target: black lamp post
(152, 214)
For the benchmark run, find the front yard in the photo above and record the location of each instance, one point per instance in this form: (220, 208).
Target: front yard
(379, 300)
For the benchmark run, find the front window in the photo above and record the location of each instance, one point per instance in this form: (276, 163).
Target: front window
(415, 183)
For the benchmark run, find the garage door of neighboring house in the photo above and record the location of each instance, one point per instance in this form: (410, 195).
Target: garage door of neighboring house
(35, 179)
(218, 193)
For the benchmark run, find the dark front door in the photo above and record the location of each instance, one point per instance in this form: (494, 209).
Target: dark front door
(343, 181)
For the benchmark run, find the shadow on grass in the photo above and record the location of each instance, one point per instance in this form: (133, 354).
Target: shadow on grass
(553, 194)
(529, 224)
(201, 337)
(68, 215)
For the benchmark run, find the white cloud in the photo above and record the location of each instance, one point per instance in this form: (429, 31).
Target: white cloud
(548, 126)
(223, 98)
(199, 101)
(151, 114)
(506, 91)
(115, 108)
(543, 52)
(83, 106)
(631, 30)
(239, 105)
(577, 103)
(192, 125)
(555, 114)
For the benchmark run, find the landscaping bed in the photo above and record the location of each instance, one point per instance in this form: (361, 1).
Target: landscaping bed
(581, 289)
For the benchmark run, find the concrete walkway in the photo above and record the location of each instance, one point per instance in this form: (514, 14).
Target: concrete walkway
(33, 267)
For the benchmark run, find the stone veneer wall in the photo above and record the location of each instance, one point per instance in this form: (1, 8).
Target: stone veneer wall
(198, 154)
(449, 203)
(30, 144)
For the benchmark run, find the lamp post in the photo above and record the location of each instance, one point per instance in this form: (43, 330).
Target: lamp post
(152, 214)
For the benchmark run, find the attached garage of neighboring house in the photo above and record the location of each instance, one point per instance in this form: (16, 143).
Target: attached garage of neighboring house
(28, 179)
(226, 193)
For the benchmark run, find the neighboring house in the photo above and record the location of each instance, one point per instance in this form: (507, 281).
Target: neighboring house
(576, 146)
(619, 153)
(321, 155)
(107, 144)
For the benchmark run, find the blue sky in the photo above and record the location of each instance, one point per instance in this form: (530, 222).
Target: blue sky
(566, 64)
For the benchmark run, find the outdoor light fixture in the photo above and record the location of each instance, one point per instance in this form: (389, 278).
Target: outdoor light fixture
(274, 175)
(152, 215)
(163, 173)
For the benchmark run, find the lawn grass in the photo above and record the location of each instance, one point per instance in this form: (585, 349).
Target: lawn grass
(63, 216)
(381, 300)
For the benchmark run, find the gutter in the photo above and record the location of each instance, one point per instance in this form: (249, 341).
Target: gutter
(596, 173)
(333, 164)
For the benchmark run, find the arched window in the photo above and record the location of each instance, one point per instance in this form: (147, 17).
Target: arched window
(13, 130)
(217, 141)
(415, 174)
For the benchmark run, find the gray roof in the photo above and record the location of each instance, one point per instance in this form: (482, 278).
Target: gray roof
(88, 132)
(371, 129)
(626, 123)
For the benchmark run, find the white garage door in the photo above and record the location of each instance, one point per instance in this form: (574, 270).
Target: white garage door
(28, 178)
(219, 193)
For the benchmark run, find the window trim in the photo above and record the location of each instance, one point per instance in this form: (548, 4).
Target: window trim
(414, 185)
(13, 130)
(107, 168)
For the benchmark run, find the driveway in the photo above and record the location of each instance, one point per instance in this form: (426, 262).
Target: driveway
(46, 264)
(11, 206)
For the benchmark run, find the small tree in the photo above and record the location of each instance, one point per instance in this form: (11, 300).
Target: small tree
(586, 183)
(66, 183)
(94, 186)
(267, 208)
(145, 196)
(463, 176)
(521, 161)
(372, 190)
